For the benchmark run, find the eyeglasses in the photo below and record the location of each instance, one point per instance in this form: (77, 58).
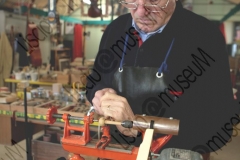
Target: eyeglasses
(150, 5)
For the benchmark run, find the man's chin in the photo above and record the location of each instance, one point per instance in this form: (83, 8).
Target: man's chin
(147, 29)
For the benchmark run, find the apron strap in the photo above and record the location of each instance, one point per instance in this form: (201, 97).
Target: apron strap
(163, 66)
(123, 54)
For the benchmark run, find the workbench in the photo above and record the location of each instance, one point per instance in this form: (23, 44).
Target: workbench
(14, 131)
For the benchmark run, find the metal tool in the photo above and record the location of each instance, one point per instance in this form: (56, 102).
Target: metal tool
(84, 144)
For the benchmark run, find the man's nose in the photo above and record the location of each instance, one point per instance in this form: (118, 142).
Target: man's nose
(141, 10)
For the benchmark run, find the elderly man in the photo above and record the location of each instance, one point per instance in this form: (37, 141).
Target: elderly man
(163, 60)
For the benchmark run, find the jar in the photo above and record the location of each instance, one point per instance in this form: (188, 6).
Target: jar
(34, 93)
(56, 96)
(41, 93)
(82, 97)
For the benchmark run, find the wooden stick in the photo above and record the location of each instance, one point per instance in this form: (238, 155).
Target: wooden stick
(102, 122)
(112, 122)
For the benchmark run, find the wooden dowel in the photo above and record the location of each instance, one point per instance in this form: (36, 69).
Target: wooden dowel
(102, 122)
(113, 122)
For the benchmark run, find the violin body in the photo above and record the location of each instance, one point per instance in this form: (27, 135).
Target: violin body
(94, 11)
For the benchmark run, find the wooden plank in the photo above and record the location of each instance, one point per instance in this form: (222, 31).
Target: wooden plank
(5, 131)
(5, 107)
(144, 148)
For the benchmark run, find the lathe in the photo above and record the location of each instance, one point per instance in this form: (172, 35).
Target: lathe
(101, 148)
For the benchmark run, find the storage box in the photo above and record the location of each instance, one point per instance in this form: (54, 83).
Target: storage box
(75, 110)
(37, 106)
(42, 150)
(63, 78)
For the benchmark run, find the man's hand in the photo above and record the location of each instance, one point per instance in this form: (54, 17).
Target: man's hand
(118, 108)
(96, 100)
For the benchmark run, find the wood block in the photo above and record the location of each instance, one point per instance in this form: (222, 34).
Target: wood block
(56, 87)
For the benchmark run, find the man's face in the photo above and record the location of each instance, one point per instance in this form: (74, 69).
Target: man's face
(151, 21)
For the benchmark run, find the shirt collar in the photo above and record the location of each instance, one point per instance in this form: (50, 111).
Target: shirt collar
(144, 36)
(150, 33)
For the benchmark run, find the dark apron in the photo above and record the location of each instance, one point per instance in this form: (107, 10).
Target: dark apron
(140, 86)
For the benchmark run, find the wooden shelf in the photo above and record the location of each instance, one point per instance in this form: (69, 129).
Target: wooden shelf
(9, 80)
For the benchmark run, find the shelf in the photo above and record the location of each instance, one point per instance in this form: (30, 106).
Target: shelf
(9, 80)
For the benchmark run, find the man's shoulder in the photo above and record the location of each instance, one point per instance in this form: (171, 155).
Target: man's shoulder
(193, 25)
(194, 20)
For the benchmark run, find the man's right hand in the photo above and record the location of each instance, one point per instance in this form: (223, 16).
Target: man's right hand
(96, 99)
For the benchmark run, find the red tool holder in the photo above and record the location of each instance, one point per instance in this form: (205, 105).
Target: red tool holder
(84, 145)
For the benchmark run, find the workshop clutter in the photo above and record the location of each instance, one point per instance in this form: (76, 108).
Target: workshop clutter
(6, 96)
(78, 72)
(80, 69)
(72, 100)
(27, 73)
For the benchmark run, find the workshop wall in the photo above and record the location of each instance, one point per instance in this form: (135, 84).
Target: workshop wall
(2, 19)
(19, 24)
(216, 11)
(92, 41)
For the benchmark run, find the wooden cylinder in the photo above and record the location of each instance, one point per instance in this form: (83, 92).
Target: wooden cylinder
(102, 122)
(160, 125)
